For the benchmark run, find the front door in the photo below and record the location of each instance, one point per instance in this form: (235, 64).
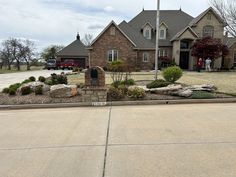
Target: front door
(184, 60)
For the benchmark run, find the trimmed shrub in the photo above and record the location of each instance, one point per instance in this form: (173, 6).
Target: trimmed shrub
(115, 93)
(48, 82)
(58, 79)
(61, 79)
(12, 91)
(41, 79)
(123, 88)
(158, 83)
(14, 87)
(26, 81)
(116, 84)
(5, 90)
(202, 95)
(26, 90)
(172, 74)
(136, 93)
(128, 82)
(38, 90)
(32, 78)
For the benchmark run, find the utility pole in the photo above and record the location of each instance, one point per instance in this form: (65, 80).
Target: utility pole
(157, 38)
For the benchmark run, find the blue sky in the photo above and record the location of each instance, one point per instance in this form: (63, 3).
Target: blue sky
(57, 21)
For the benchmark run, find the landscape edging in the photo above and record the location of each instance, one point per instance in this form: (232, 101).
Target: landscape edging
(117, 103)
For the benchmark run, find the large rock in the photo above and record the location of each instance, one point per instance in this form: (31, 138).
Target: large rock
(183, 93)
(203, 87)
(33, 85)
(162, 90)
(63, 91)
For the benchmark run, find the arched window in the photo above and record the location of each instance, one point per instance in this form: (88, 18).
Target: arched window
(208, 31)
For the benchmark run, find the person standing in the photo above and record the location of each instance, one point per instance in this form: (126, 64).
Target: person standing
(199, 64)
(208, 64)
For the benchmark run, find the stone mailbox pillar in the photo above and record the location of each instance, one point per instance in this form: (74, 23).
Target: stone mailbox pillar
(95, 77)
(95, 88)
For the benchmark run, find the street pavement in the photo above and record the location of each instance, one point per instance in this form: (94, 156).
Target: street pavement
(196, 140)
(12, 78)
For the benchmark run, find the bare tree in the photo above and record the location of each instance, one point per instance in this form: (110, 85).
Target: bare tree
(27, 52)
(6, 54)
(227, 11)
(87, 40)
(16, 50)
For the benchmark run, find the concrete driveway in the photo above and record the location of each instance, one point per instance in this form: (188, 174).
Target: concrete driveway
(133, 141)
(12, 78)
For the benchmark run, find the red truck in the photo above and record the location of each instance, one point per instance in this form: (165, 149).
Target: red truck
(69, 64)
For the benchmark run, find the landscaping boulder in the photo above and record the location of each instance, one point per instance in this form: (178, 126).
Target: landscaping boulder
(33, 85)
(183, 93)
(63, 91)
(203, 87)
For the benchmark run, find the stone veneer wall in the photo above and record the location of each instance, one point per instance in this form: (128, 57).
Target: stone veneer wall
(101, 77)
(94, 95)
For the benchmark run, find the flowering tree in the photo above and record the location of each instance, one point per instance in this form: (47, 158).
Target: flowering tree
(209, 47)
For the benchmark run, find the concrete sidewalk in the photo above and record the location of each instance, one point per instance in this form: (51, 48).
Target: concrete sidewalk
(129, 141)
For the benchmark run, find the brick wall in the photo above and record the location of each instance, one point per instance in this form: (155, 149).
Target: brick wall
(99, 53)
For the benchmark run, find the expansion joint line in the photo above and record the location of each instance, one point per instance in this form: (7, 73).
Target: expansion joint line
(107, 139)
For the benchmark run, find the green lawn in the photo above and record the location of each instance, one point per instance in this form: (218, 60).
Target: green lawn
(23, 69)
(224, 81)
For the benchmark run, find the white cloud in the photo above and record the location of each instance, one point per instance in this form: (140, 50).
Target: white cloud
(58, 21)
(109, 8)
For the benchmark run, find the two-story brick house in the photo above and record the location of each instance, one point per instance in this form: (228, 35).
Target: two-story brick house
(134, 41)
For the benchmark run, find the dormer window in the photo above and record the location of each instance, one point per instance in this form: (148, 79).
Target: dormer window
(162, 32)
(147, 31)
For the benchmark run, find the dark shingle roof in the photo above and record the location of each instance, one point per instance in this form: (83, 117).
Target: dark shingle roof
(135, 36)
(176, 20)
(76, 48)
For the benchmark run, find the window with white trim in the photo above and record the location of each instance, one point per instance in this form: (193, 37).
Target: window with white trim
(112, 55)
(163, 53)
(146, 57)
(147, 32)
(208, 31)
(162, 34)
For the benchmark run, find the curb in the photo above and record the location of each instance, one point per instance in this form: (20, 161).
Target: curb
(117, 103)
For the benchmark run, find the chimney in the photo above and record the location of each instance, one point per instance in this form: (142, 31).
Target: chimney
(78, 36)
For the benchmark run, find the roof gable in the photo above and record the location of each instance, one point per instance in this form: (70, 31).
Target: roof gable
(76, 48)
(203, 14)
(179, 34)
(110, 24)
(149, 24)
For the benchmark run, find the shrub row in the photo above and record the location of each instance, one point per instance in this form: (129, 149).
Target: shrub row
(12, 89)
(117, 93)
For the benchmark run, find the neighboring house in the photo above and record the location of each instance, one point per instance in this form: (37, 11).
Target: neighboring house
(230, 60)
(134, 41)
(76, 51)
